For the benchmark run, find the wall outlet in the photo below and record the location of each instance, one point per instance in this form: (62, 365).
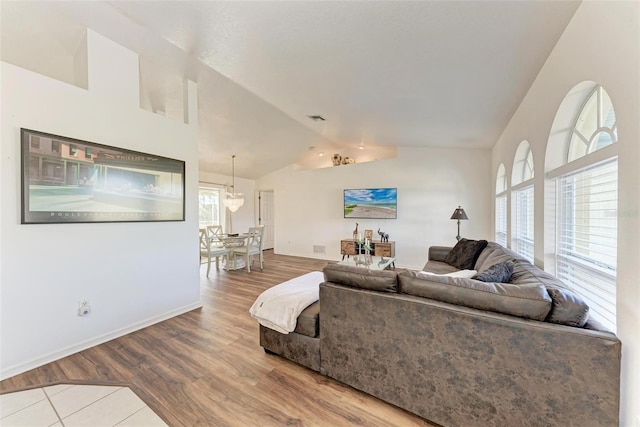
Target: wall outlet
(637, 420)
(84, 307)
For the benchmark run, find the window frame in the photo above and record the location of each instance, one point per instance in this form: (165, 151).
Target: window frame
(519, 243)
(523, 180)
(600, 119)
(220, 189)
(501, 234)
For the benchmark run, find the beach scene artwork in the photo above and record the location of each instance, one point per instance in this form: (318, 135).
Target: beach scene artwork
(374, 203)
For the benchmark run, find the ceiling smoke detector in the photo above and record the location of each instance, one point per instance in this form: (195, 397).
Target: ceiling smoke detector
(317, 118)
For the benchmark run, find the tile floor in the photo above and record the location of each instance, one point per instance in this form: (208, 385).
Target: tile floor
(76, 405)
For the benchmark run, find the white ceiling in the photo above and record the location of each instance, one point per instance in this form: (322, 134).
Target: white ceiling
(382, 73)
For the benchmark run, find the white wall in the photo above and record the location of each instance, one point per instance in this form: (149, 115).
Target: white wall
(134, 274)
(431, 184)
(601, 44)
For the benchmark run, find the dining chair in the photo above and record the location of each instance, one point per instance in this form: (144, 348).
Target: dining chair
(252, 247)
(215, 235)
(208, 250)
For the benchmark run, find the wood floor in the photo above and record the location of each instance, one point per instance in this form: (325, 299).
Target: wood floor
(206, 367)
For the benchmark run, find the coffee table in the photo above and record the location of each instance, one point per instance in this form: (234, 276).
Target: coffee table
(369, 262)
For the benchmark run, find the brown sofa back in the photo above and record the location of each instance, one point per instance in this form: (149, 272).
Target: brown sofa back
(532, 293)
(457, 366)
(567, 307)
(529, 301)
(362, 278)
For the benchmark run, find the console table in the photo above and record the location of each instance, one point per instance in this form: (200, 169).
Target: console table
(369, 262)
(382, 249)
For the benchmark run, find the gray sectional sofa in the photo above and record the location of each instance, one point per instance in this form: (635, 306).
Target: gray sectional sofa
(461, 352)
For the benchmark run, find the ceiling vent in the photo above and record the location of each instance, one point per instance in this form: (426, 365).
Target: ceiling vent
(317, 118)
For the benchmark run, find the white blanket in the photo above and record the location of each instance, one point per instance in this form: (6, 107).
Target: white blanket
(465, 274)
(278, 307)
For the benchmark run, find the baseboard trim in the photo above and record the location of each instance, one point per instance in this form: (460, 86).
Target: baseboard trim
(68, 351)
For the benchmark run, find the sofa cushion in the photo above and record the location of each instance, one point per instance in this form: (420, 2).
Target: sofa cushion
(360, 277)
(465, 253)
(568, 307)
(527, 301)
(497, 273)
(308, 321)
(493, 254)
(439, 267)
(439, 253)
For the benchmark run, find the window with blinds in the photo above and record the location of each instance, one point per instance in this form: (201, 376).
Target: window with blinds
(522, 240)
(501, 219)
(587, 231)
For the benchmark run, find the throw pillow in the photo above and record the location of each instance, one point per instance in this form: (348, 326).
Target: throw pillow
(497, 273)
(465, 274)
(465, 253)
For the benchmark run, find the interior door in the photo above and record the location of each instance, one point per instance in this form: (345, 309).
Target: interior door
(266, 218)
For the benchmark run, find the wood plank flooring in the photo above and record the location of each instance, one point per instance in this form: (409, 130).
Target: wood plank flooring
(206, 367)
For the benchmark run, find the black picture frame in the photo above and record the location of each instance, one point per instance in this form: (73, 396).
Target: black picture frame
(371, 203)
(66, 180)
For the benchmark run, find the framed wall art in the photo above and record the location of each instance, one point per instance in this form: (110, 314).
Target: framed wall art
(66, 180)
(376, 203)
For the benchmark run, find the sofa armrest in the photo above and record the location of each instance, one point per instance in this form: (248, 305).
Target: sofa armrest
(438, 253)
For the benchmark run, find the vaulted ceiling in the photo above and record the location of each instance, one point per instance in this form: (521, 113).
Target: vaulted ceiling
(383, 74)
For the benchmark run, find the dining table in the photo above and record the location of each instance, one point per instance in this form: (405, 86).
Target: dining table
(234, 261)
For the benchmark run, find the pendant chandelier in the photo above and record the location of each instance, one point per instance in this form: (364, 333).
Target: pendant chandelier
(233, 200)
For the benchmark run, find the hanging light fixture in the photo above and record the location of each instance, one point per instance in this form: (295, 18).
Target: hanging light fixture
(233, 200)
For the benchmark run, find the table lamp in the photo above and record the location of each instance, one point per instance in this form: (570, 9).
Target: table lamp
(459, 214)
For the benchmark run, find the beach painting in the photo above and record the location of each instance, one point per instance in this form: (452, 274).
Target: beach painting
(374, 203)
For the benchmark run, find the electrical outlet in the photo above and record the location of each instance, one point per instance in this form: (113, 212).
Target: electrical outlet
(638, 421)
(84, 307)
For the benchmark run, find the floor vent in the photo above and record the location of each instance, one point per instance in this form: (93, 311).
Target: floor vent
(317, 249)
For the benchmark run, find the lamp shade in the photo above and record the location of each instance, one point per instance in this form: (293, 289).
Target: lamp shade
(459, 214)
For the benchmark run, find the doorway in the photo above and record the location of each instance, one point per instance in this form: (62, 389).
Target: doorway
(266, 218)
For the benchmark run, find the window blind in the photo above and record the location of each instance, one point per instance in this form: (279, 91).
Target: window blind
(522, 241)
(587, 236)
(501, 219)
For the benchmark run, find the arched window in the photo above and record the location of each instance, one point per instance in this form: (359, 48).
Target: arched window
(586, 185)
(501, 206)
(595, 126)
(523, 202)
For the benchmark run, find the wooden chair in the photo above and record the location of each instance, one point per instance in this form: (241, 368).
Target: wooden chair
(215, 235)
(253, 247)
(207, 250)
